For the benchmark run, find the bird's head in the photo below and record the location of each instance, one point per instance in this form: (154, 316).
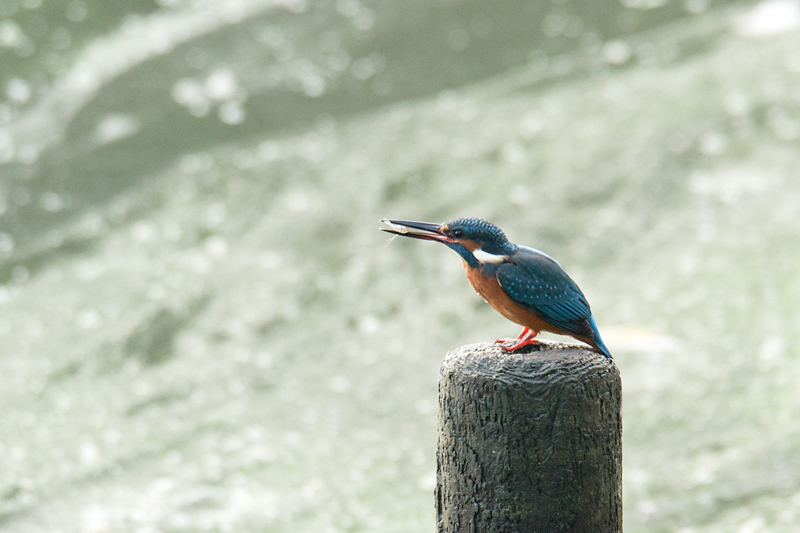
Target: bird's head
(477, 241)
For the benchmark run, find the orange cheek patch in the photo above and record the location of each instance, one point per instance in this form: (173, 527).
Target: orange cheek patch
(470, 245)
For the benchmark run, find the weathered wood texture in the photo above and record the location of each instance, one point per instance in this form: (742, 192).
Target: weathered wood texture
(529, 442)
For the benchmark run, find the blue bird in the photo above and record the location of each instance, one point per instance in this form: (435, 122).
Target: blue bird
(523, 284)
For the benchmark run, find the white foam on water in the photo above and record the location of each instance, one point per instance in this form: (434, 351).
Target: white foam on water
(110, 56)
(770, 17)
(115, 127)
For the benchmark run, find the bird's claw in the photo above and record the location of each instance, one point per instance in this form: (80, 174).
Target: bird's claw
(526, 332)
(520, 344)
(528, 336)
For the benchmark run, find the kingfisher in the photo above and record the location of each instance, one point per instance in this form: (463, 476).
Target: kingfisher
(523, 284)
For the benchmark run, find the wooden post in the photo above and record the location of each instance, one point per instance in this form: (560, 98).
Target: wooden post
(529, 442)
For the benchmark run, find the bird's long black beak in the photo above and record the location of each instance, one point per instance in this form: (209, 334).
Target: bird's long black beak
(404, 227)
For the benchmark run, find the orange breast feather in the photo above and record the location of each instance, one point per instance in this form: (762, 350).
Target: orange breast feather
(492, 292)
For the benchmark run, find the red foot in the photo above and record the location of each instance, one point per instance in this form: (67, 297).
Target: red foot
(528, 336)
(520, 344)
(525, 331)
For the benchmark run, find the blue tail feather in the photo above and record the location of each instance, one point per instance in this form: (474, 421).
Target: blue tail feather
(597, 340)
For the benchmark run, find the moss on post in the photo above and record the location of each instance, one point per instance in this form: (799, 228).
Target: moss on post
(529, 442)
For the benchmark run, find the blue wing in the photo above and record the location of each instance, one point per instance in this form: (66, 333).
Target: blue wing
(536, 281)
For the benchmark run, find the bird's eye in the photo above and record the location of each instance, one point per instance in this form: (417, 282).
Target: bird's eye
(458, 233)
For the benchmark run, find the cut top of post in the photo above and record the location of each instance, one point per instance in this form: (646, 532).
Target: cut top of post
(547, 362)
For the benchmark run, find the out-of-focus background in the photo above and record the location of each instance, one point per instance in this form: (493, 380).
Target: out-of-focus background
(201, 328)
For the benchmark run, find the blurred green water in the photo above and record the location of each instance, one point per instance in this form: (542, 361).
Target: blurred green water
(203, 329)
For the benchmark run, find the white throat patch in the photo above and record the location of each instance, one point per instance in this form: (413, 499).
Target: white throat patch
(486, 257)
